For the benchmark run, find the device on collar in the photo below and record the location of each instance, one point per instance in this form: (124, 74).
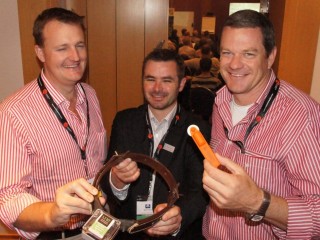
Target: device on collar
(131, 226)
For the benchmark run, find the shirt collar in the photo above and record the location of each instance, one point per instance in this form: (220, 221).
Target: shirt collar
(167, 118)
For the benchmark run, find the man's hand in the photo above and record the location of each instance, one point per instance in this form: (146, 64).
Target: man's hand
(124, 173)
(233, 190)
(71, 199)
(169, 223)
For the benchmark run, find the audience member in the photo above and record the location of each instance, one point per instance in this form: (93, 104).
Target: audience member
(194, 64)
(159, 129)
(195, 39)
(187, 49)
(206, 78)
(271, 187)
(174, 38)
(52, 139)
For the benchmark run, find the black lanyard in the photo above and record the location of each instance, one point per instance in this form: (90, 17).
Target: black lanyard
(265, 107)
(63, 120)
(150, 133)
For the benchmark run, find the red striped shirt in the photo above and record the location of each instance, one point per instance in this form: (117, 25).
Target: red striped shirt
(38, 155)
(282, 156)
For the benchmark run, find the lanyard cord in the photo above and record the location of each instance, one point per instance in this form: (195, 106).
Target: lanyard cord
(160, 145)
(55, 108)
(265, 107)
(150, 133)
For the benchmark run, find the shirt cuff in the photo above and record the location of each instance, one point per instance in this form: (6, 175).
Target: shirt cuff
(175, 233)
(121, 194)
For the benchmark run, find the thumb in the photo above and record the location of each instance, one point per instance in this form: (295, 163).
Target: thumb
(159, 207)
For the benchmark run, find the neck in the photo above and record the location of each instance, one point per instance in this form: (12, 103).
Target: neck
(160, 114)
(205, 74)
(69, 92)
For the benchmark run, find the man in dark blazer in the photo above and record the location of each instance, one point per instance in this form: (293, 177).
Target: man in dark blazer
(158, 129)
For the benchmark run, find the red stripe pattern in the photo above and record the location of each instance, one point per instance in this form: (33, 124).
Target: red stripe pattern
(282, 156)
(38, 155)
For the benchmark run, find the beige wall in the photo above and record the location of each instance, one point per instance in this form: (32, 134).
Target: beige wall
(300, 29)
(11, 64)
(315, 87)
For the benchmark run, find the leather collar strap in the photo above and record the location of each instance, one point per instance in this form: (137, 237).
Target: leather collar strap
(133, 226)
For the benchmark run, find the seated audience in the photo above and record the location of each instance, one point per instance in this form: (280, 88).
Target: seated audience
(206, 78)
(187, 49)
(195, 39)
(194, 64)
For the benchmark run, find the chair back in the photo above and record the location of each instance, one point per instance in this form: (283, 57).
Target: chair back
(201, 101)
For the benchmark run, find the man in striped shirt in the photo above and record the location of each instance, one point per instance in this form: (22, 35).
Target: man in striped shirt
(52, 139)
(267, 136)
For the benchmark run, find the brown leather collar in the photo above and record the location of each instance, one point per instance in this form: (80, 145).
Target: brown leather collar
(133, 226)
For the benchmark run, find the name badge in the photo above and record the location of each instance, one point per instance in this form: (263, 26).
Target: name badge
(144, 209)
(168, 147)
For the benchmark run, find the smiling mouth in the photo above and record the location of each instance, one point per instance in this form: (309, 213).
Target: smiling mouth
(237, 75)
(72, 66)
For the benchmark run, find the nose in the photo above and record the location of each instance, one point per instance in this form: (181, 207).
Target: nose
(74, 54)
(157, 86)
(235, 62)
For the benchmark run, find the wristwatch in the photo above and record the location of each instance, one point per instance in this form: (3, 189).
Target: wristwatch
(259, 215)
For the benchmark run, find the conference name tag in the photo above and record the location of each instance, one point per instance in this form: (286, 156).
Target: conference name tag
(168, 147)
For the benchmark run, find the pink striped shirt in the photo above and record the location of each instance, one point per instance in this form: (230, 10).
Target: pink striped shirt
(282, 156)
(37, 155)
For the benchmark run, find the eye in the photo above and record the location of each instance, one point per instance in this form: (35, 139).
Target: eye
(225, 53)
(249, 54)
(148, 79)
(81, 45)
(61, 49)
(167, 80)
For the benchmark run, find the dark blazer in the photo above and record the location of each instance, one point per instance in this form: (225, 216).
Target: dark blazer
(129, 133)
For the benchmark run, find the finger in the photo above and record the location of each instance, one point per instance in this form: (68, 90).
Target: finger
(213, 187)
(127, 176)
(102, 200)
(166, 227)
(73, 205)
(124, 163)
(230, 165)
(84, 190)
(221, 176)
(159, 207)
(212, 173)
(171, 213)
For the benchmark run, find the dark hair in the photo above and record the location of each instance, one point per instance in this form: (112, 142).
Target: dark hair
(205, 64)
(254, 19)
(206, 49)
(165, 55)
(50, 14)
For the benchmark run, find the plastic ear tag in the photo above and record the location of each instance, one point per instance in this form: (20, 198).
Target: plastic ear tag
(100, 226)
(193, 131)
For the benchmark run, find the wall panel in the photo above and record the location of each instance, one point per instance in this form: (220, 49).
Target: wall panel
(28, 11)
(299, 42)
(130, 34)
(156, 23)
(102, 52)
